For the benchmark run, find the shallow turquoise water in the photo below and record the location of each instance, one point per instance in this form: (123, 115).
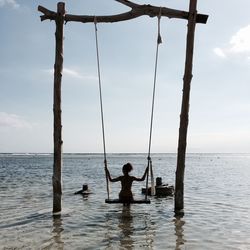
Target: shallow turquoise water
(217, 201)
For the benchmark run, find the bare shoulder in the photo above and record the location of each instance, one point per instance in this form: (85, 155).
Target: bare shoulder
(117, 179)
(137, 179)
(133, 178)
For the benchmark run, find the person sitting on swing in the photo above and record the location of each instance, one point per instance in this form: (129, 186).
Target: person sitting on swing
(126, 180)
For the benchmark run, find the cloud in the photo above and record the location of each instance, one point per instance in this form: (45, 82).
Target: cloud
(12, 3)
(239, 44)
(219, 52)
(13, 121)
(72, 73)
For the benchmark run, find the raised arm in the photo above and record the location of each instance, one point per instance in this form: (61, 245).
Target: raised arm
(109, 176)
(143, 177)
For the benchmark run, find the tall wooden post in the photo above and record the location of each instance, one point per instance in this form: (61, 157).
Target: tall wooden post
(182, 143)
(58, 67)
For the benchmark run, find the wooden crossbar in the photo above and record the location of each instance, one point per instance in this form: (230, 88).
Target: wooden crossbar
(137, 10)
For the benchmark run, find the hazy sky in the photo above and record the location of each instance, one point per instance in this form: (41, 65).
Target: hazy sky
(220, 93)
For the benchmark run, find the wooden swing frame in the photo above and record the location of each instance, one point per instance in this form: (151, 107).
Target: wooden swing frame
(60, 17)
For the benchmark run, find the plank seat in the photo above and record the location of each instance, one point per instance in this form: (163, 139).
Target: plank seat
(116, 201)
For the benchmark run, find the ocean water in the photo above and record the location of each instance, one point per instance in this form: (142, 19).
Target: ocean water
(217, 204)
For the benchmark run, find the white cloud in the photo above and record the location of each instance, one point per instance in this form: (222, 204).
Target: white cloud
(67, 72)
(239, 44)
(72, 73)
(219, 52)
(13, 121)
(11, 3)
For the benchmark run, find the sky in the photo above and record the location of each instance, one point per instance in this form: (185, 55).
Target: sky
(219, 116)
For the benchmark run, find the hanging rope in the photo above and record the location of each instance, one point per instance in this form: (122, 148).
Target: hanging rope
(150, 167)
(100, 95)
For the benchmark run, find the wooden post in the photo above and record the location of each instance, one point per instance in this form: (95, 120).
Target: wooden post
(179, 181)
(58, 67)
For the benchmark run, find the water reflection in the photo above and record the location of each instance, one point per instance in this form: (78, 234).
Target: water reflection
(56, 232)
(179, 231)
(126, 227)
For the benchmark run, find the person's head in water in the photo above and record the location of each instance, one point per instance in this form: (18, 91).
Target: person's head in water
(127, 168)
(84, 187)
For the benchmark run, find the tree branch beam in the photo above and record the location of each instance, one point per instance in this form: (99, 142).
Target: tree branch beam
(47, 14)
(128, 3)
(136, 11)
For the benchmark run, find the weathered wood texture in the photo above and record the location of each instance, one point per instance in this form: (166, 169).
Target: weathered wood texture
(179, 180)
(137, 10)
(58, 67)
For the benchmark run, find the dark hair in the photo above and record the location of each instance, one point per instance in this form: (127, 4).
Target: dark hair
(84, 187)
(127, 168)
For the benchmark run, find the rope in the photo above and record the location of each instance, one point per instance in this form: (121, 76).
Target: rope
(101, 105)
(150, 167)
(159, 41)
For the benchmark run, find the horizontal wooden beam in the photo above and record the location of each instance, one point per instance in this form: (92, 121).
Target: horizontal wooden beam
(128, 3)
(137, 10)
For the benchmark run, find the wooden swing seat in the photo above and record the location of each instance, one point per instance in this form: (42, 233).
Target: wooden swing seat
(116, 201)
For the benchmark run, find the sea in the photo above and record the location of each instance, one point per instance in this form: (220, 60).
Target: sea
(216, 204)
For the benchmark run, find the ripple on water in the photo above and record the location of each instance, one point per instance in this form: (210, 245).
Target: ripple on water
(216, 205)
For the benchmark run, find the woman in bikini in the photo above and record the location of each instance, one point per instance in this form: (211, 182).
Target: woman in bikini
(126, 180)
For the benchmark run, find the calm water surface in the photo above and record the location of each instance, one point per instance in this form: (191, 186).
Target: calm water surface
(217, 201)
